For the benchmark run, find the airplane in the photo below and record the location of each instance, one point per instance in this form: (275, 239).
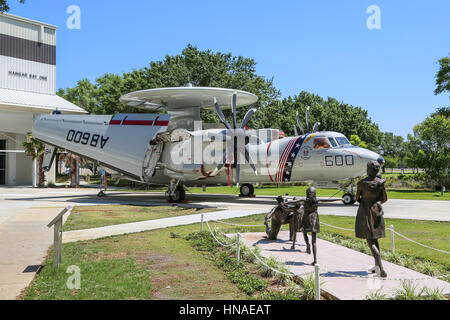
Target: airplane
(176, 150)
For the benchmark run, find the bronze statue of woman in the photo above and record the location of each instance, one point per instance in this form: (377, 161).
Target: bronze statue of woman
(369, 225)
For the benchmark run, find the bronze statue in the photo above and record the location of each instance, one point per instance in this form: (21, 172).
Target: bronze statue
(283, 213)
(309, 222)
(369, 225)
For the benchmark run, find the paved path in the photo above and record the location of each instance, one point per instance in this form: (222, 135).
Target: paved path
(95, 233)
(333, 257)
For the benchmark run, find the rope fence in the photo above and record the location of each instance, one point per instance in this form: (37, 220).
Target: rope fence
(218, 241)
(397, 233)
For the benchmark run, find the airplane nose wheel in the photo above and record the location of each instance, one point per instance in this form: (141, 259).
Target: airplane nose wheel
(348, 199)
(247, 190)
(178, 195)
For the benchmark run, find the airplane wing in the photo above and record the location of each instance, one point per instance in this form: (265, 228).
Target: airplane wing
(121, 142)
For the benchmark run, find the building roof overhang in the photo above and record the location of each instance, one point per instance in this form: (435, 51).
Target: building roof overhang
(17, 100)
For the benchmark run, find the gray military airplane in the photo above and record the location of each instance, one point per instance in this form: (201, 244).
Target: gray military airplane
(174, 148)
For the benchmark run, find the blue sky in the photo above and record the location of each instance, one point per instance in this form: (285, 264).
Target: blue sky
(322, 47)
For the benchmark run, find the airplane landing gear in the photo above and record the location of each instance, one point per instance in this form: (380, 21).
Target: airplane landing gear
(176, 193)
(348, 199)
(349, 194)
(247, 190)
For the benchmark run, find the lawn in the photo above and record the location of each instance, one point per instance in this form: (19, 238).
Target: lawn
(148, 265)
(301, 191)
(86, 217)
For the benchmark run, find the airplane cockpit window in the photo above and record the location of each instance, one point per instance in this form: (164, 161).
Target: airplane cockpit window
(342, 140)
(332, 141)
(321, 143)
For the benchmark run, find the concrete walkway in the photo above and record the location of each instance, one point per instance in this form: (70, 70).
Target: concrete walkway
(332, 258)
(118, 229)
(24, 241)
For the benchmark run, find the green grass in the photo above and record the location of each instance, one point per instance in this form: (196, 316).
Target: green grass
(301, 192)
(86, 217)
(147, 265)
(249, 275)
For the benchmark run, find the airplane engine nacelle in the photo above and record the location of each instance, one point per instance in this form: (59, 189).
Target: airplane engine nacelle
(190, 171)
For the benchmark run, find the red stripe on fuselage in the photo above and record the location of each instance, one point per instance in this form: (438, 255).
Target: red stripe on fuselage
(284, 158)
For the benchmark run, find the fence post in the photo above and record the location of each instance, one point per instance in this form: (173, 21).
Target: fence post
(392, 239)
(238, 248)
(201, 225)
(317, 280)
(57, 224)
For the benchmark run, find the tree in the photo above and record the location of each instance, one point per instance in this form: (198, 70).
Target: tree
(391, 162)
(429, 147)
(200, 68)
(332, 115)
(443, 76)
(442, 111)
(393, 147)
(356, 141)
(4, 5)
(35, 149)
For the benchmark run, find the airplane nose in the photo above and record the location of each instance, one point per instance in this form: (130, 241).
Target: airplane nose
(380, 160)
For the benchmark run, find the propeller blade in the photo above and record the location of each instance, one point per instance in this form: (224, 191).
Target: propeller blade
(226, 156)
(299, 122)
(247, 117)
(316, 127)
(307, 119)
(254, 138)
(249, 159)
(295, 130)
(222, 136)
(234, 105)
(220, 114)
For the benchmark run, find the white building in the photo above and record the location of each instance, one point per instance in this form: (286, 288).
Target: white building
(27, 89)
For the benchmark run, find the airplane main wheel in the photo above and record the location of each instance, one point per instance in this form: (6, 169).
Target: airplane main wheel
(247, 190)
(348, 199)
(179, 195)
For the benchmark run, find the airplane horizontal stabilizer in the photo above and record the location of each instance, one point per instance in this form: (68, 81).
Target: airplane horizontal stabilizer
(119, 142)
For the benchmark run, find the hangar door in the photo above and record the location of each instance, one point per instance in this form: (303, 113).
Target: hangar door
(2, 162)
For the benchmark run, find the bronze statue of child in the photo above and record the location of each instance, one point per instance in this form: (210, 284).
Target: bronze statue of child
(284, 213)
(309, 222)
(369, 225)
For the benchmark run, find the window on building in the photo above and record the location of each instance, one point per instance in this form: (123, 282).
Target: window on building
(332, 141)
(2, 162)
(321, 143)
(342, 140)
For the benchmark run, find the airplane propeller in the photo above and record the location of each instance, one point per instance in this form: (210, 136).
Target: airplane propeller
(233, 150)
(299, 123)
